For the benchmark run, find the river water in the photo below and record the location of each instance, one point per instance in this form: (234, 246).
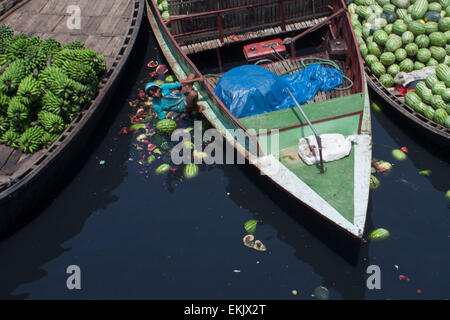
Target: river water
(142, 236)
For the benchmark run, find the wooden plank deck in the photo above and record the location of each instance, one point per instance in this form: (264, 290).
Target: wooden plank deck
(104, 27)
(216, 43)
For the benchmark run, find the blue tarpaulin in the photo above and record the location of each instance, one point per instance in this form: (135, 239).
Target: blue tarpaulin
(250, 89)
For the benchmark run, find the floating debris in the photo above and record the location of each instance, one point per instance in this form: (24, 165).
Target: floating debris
(152, 64)
(378, 234)
(294, 292)
(259, 246)
(399, 154)
(404, 278)
(321, 293)
(447, 194)
(250, 226)
(425, 173)
(249, 240)
(162, 168)
(102, 162)
(137, 126)
(376, 107)
(382, 165)
(374, 182)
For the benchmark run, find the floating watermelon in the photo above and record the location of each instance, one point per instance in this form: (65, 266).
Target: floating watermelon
(378, 234)
(166, 126)
(162, 168)
(399, 154)
(190, 171)
(250, 226)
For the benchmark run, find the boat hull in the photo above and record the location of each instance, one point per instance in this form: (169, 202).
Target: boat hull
(181, 66)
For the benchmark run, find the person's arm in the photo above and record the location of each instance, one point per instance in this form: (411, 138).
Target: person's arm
(158, 108)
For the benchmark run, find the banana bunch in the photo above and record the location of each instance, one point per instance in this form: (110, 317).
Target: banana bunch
(4, 101)
(6, 32)
(87, 57)
(29, 89)
(10, 138)
(13, 75)
(52, 103)
(81, 73)
(18, 110)
(50, 46)
(4, 125)
(52, 123)
(47, 139)
(31, 140)
(74, 45)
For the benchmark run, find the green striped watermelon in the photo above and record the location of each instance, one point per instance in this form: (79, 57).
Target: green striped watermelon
(431, 80)
(443, 72)
(190, 171)
(406, 65)
(422, 41)
(438, 39)
(411, 49)
(387, 58)
(162, 168)
(377, 68)
(400, 55)
(438, 88)
(393, 70)
(419, 9)
(416, 27)
(438, 53)
(423, 55)
(387, 80)
(412, 100)
(166, 126)
(438, 103)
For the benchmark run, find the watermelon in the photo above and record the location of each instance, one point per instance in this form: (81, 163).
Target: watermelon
(374, 49)
(383, 2)
(435, 7)
(432, 16)
(420, 108)
(412, 100)
(431, 80)
(406, 65)
(432, 62)
(250, 226)
(165, 15)
(443, 72)
(438, 39)
(364, 12)
(377, 68)
(447, 122)
(388, 29)
(393, 70)
(374, 182)
(423, 92)
(422, 41)
(393, 44)
(398, 154)
(400, 55)
(378, 235)
(418, 65)
(403, 14)
(411, 49)
(438, 53)
(403, 4)
(438, 103)
(429, 112)
(438, 88)
(416, 27)
(387, 58)
(389, 8)
(419, 9)
(446, 95)
(370, 59)
(389, 16)
(431, 27)
(407, 37)
(380, 37)
(363, 49)
(423, 55)
(166, 126)
(387, 80)
(444, 24)
(190, 171)
(162, 168)
(399, 27)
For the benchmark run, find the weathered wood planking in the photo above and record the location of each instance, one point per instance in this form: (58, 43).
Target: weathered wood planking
(103, 23)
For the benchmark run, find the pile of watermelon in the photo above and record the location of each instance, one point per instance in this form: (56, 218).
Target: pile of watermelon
(405, 35)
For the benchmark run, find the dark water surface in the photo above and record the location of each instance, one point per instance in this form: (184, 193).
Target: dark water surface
(147, 238)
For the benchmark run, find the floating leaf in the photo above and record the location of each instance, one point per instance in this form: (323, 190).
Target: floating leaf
(250, 226)
(398, 154)
(321, 293)
(374, 182)
(378, 234)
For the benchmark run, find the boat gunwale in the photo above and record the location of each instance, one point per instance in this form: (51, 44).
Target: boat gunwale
(103, 90)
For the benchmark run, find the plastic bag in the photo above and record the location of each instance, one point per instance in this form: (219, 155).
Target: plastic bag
(334, 147)
(250, 89)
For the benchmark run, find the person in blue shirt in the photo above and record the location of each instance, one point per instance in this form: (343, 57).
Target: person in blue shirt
(164, 101)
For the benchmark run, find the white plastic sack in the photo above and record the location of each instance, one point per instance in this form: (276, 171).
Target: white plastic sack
(334, 147)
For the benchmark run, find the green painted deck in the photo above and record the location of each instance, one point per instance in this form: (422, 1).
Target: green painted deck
(336, 185)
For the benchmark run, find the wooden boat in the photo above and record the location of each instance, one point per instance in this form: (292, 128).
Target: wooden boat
(341, 193)
(28, 181)
(435, 133)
